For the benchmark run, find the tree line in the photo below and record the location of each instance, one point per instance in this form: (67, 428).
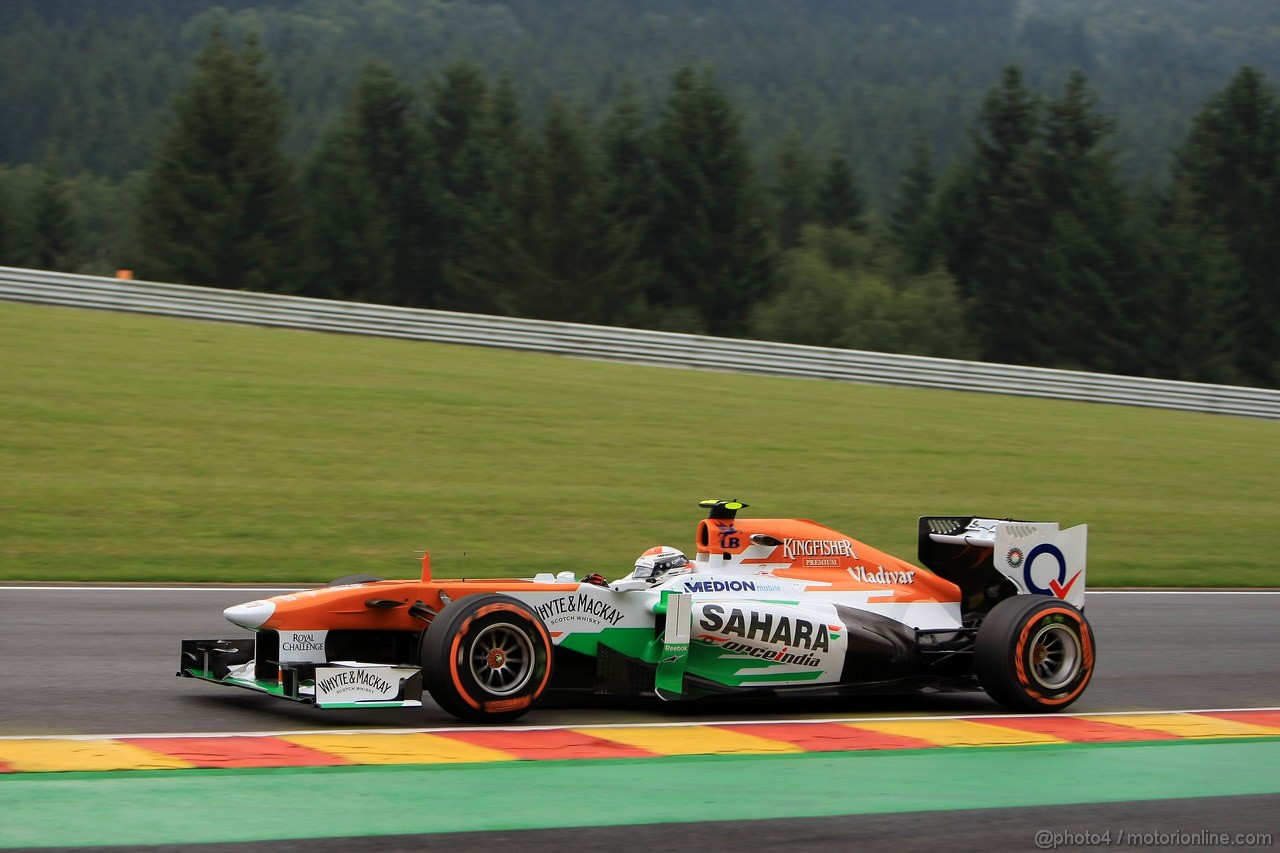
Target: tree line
(1032, 247)
(85, 85)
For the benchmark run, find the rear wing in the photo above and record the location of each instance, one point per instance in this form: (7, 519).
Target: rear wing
(979, 554)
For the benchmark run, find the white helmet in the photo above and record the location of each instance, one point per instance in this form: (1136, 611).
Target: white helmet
(659, 561)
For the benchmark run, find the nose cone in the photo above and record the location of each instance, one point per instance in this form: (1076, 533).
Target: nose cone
(250, 615)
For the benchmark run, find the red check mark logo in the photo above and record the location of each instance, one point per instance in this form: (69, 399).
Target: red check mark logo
(1061, 590)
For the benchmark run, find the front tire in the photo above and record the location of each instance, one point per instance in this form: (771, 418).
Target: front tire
(1034, 653)
(486, 658)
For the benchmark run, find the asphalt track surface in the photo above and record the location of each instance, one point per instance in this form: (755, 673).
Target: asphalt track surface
(1140, 826)
(102, 661)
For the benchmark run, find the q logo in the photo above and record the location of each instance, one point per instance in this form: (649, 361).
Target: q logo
(1059, 586)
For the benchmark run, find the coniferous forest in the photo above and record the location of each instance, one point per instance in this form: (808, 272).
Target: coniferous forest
(1090, 184)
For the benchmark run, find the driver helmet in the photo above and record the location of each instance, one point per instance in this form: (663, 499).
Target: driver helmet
(659, 561)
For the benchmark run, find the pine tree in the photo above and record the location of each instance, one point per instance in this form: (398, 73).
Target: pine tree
(628, 199)
(840, 203)
(5, 260)
(563, 267)
(1091, 310)
(794, 191)
(218, 206)
(503, 215)
(1037, 232)
(1229, 171)
(910, 220)
(54, 232)
(480, 153)
(375, 218)
(460, 109)
(1194, 297)
(708, 229)
(987, 183)
(347, 241)
(993, 222)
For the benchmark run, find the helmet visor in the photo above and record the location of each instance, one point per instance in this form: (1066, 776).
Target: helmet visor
(652, 568)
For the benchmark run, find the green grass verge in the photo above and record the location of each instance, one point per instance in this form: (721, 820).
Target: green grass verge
(140, 448)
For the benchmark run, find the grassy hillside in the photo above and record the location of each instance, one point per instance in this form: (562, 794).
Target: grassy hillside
(140, 448)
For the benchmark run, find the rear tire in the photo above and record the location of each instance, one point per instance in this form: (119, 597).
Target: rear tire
(1034, 653)
(486, 658)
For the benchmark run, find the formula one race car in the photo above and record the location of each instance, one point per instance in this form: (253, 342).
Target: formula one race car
(768, 605)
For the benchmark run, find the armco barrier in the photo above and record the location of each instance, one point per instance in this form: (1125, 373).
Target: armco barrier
(631, 345)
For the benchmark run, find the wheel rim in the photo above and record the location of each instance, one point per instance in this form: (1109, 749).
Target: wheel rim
(502, 659)
(1055, 656)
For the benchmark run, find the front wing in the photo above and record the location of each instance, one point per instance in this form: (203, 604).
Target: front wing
(335, 684)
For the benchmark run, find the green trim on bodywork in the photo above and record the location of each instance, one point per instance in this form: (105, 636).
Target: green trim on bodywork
(724, 667)
(669, 680)
(705, 660)
(633, 642)
(272, 687)
(776, 678)
(275, 688)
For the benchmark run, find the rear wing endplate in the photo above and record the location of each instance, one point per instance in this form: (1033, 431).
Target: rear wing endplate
(1038, 557)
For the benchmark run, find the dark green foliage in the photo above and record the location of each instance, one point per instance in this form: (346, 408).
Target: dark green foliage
(76, 223)
(840, 203)
(1094, 314)
(707, 226)
(218, 206)
(483, 191)
(1227, 180)
(480, 163)
(1036, 231)
(794, 191)
(1193, 304)
(844, 289)
(992, 219)
(911, 222)
(458, 126)
(561, 265)
(88, 82)
(54, 228)
(5, 260)
(373, 210)
(628, 198)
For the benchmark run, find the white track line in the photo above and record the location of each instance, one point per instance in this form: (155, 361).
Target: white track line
(672, 725)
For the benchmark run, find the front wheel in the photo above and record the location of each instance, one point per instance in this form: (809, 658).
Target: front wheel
(486, 658)
(1034, 653)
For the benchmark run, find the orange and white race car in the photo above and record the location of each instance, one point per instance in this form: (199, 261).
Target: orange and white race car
(766, 605)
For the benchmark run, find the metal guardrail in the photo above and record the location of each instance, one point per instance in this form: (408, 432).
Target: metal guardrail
(628, 345)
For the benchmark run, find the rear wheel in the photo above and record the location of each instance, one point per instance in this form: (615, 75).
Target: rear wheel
(1034, 653)
(486, 658)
